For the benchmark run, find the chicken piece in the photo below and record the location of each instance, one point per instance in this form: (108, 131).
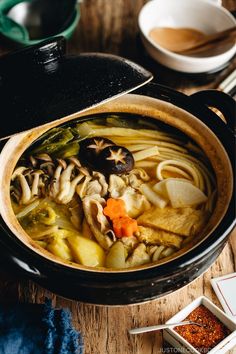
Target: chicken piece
(136, 177)
(182, 221)
(116, 186)
(82, 187)
(135, 203)
(159, 237)
(138, 257)
(102, 181)
(129, 242)
(98, 223)
(93, 187)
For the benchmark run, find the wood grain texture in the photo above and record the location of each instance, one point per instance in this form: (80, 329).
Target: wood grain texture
(105, 328)
(111, 26)
(233, 245)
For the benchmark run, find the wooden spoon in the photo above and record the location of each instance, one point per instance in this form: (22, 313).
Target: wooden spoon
(181, 40)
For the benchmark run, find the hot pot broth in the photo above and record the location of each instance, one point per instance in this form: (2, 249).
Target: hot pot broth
(114, 191)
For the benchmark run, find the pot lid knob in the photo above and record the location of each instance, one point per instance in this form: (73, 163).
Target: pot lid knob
(40, 83)
(49, 52)
(18, 63)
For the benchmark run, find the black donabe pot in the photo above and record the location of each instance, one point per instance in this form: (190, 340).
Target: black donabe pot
(144, 283)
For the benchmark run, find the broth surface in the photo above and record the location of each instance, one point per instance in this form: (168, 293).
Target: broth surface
(114, 191)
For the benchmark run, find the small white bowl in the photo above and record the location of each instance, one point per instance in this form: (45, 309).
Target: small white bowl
(204, 15)
(178, 342)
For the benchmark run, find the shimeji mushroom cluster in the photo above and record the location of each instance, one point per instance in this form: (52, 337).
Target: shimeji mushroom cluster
(57, 179)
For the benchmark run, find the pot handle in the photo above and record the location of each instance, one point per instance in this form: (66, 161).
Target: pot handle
(221, 101)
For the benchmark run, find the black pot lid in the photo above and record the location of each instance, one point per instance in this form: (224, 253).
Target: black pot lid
(40, 84)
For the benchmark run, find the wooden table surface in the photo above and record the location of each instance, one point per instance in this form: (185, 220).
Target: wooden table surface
(111, 26)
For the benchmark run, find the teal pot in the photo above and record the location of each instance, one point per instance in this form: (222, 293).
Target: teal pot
(19, 34)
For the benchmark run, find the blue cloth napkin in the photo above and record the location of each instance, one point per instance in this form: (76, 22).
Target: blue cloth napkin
(38, 329)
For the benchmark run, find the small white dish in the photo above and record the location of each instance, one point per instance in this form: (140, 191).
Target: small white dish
(178, 342)
(225, 289)
(204, 15)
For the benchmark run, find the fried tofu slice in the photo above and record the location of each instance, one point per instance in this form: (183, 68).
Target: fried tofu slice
(159, 237)
(182, 221)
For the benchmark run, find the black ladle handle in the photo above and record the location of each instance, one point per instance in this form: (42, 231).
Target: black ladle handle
(220, 100)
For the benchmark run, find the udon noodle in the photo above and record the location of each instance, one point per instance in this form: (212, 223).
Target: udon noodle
(114, 192)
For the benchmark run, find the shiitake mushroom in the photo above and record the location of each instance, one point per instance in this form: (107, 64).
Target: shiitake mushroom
(90, 150)
(115, 160)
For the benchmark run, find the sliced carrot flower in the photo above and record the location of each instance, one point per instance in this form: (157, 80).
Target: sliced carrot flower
(115, 208)
(124, 226)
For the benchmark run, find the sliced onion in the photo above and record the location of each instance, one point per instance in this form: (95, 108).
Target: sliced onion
(168, 251)
(28, 209)
(153, 197)
(157, 253)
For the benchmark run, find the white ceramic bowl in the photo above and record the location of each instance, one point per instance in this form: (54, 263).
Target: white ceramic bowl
(203, 15)
(180, 344)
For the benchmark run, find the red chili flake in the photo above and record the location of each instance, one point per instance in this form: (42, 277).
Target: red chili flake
(203, 338)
